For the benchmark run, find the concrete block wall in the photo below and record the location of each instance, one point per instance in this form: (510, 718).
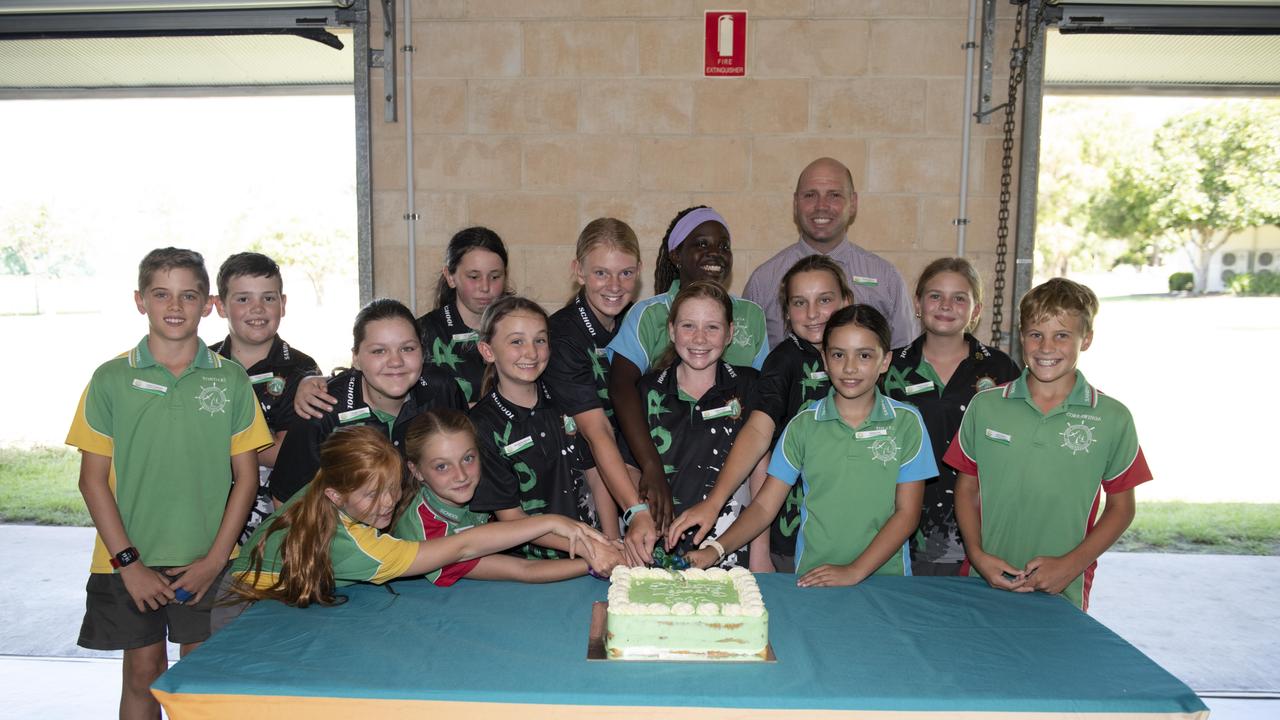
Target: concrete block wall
(535, 117)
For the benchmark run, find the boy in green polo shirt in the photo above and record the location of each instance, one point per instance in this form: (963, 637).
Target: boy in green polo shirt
(161, 430)
(1035, 455)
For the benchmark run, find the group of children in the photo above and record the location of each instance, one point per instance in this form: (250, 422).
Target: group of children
(614, 431)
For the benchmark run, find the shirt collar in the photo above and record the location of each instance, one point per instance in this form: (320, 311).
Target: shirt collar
(844, 250)
(448, 511)
(586, 317)
(1082, 393)
(277, 356)
(140, 356)
(726, 376)
(517, 412)
(880, 412)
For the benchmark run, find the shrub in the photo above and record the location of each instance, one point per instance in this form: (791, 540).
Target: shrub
(1181, 282)
(1263, 283)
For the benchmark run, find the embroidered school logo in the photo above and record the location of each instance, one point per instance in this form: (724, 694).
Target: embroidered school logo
(212, 399)
(275, 386)
(985, 382)
(1077, 438)
(884, 450)
(742, 336)
(444, 355)
(811, 380)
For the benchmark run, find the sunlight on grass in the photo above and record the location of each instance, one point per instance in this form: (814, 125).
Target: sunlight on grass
(40, 486)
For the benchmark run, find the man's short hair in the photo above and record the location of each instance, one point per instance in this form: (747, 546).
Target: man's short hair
(1057, 296)
(170, 258)
(245, 264)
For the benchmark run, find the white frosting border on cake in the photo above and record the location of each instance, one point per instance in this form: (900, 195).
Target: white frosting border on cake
(749, 604)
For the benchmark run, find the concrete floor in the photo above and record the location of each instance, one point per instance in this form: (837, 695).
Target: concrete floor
(1211, 620)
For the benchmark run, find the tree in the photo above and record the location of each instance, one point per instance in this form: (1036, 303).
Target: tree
(316, 254)
(34, 244)
(1210, 174)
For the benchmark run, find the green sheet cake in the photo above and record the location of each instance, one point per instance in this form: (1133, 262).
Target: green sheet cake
(712, 614)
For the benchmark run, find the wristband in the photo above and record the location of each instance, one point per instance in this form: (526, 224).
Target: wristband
(595, 574)
(125, 557)
(632, 511)
(710, 543)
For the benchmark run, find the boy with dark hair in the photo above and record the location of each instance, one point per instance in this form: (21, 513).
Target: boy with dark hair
(162, 429)
(251, 297)
(1035, 456)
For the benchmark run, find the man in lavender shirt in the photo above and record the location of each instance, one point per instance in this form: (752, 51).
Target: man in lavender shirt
(824, 206)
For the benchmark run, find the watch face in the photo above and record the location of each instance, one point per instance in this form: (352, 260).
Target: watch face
(126, 556)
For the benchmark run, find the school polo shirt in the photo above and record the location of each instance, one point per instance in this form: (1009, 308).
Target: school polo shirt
(357, 552)
(693, 436)
(792, 377)
(643, 335)
(275, 379)
(299, 456)
(851, 477)
(429, 518)
(170, 441)
(578, 372)
(533, 459)
(1039, 474)
(448, 343)
(912, 379)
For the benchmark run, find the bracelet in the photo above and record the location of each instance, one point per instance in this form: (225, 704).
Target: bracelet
(710, 543)
(632, 511)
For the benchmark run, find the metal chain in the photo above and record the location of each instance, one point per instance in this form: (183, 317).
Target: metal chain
(1017, 68)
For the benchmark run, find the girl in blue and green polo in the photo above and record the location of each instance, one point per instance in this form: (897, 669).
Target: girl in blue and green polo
(862, 458)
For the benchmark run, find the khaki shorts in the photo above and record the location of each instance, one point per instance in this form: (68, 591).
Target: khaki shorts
(112, 621)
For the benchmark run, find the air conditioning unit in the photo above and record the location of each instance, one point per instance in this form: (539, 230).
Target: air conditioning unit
(1267, 262)
(1233, 262)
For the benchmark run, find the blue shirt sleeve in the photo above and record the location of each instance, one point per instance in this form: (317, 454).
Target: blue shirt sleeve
(627, 341)
(780, 465)
(758, 361)
(922, 465)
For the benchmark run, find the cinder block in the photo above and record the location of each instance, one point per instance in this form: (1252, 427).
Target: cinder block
(523, 106)
(776, 162)
(808, 48)
(671, 48)
(580, 49)
(869, 106)
(726, 106)
(439, 106)
(706, 164)
(526, 218)
(756, 8)
(387, 158)
(467, 49)
(466, 162)
(579, 162)
(757, 221)
(873, 8)
(636, 107)
(886, 222)
(648, 213)
(578, 8)
(913, 165)
(917, 47)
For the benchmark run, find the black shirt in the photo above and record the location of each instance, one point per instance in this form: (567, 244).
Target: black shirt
(530, 458)
(578, 372)
(911, 380)
(449, 344)
(275, 379)
(299, 457)
(693, 436)
(792, 377)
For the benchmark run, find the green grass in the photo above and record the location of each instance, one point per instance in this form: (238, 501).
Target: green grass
(39, 486)
(1225, 528)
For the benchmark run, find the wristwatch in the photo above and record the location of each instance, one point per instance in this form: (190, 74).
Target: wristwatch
(127, 556)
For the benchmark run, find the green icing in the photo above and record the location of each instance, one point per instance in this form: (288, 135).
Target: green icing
(696, 592)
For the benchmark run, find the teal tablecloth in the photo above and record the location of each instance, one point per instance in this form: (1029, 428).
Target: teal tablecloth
(921, 644)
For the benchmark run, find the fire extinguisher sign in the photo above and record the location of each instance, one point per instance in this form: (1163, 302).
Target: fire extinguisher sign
(726, 43)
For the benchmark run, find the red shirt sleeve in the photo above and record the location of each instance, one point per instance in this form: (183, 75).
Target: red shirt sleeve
(956, 458)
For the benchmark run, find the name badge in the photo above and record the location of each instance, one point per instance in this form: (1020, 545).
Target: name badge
(602, 352)
(466, 337)
(150, 387)
(865, 434)
(999, 436)
(818, 375)
(732, 408)
(357, 414)
(866, 281)
(261, 378)
(918, 388)
(515, 447)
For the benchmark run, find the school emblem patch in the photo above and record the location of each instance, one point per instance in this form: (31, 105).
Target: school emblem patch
(1077, 438)
(985, 382)
(275, 386)
(885, 450)
(212, 399)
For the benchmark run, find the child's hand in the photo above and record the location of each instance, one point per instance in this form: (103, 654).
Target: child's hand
(196, 577)
(641, 536)
(703, 558)
(700, 515)
(1051, 574)
(993, 570)
(148, 588)
(583, 539)
(656, 493)
(605, 557)
(831, 576)
(311, 400)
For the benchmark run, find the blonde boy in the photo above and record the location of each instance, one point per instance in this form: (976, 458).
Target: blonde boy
(161, 430)
(1035, 456)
